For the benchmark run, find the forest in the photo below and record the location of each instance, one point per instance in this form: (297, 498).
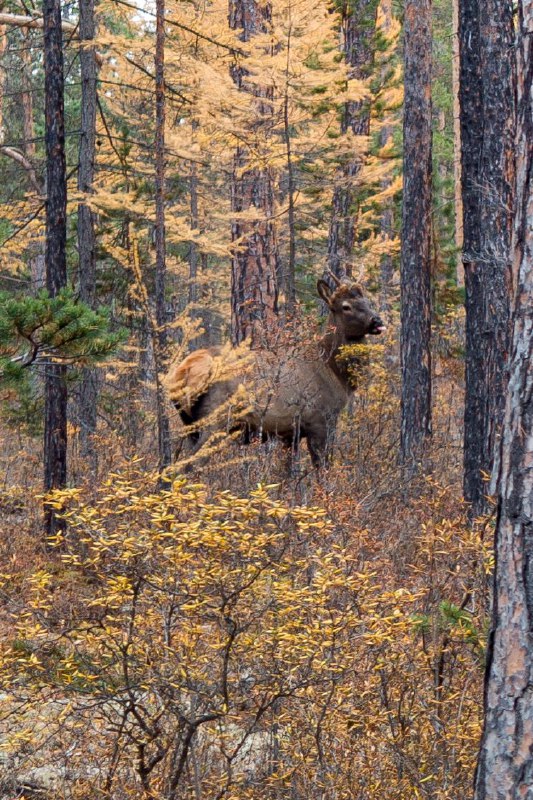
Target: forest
(266, 380)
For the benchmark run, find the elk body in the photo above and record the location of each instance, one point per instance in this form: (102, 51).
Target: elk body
(293, 396)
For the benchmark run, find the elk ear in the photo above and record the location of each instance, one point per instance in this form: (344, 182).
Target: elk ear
(324, 291)
(357, 290)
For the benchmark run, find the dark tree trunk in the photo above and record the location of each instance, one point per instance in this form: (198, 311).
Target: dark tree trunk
(254, 289)
(160, 340)
(505, 766)
(289, 279)
(86, 224)
(55, 422)
(193, 247)
(486, 40)
(416, 232)
(386, 267)
(358, 24)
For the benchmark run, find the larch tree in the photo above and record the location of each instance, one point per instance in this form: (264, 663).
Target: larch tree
(56, 398)
(254, 284)
(416, 232)
(358, 27)
(486, 40)
(88, 393)
(505, 765)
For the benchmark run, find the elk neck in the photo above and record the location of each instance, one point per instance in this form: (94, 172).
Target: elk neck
(330, 350)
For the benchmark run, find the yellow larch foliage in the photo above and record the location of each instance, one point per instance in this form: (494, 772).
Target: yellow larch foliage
(199, 639)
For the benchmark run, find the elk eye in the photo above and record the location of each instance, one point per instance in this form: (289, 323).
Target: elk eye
(346, 307)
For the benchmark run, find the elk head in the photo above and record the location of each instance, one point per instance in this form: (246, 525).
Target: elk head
(350, 312)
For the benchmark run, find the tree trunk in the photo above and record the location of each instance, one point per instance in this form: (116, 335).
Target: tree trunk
(386, 267)
(487, 130)
(457, 174)
(160, 340)
(505, 766)
(28, 127)
(289, 278)
(254, 290)
(3, 48)
(86, 231)
(358, 23)
(55, 422)
(416, 232)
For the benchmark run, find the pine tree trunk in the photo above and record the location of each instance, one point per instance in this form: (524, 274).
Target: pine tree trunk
(416, 232)
(160, 340)
(36, 260)
(28, 127)
(359, 28)
(3, 48)
(55, 422)
(86, 230)
(487, 130)
(254, 289)
(386, 267)
(505, 766)
(457, 174)
(289, 279)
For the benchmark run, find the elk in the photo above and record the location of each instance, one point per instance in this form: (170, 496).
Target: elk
(297, 396)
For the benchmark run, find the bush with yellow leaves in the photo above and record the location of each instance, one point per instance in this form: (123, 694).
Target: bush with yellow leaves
(194, 644)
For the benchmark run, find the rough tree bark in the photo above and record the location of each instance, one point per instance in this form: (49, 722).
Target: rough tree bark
(254, 290)
(358, 25)
(457, 174)
(86, 228)
(160, 340)
(416, 232)
(55, 416)
(3, 48)
(386, 267)
(505, 766)
(486, 39)
(289, 279)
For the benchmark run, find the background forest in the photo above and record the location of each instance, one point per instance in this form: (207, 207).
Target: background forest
(227, 627)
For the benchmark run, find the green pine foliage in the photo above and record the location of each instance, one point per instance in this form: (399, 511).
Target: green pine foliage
(37, 330)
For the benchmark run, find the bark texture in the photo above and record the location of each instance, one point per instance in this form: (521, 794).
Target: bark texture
(457, 174)
(86, 222)
(254, 289)
(505, 767)
(416, 232)
(160, 340)
(358, 24)
(55, 422)
(386, 267)
(486, 39)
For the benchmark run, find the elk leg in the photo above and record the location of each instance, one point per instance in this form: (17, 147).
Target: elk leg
(317, 441)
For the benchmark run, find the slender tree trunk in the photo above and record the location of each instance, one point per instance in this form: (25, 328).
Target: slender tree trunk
(487, 130)
(416, 232)
(254, 289)
(160, 340)
(386, 267)
(36, 259)
(505, 766)
(28, 127)
(193, 248)
(289, 279)
(457, 174)
(358, 28)
(55, 421)
(86, 228)
(3, 48)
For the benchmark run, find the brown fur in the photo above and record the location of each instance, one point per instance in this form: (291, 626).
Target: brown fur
(292, 395)
(186, 380)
